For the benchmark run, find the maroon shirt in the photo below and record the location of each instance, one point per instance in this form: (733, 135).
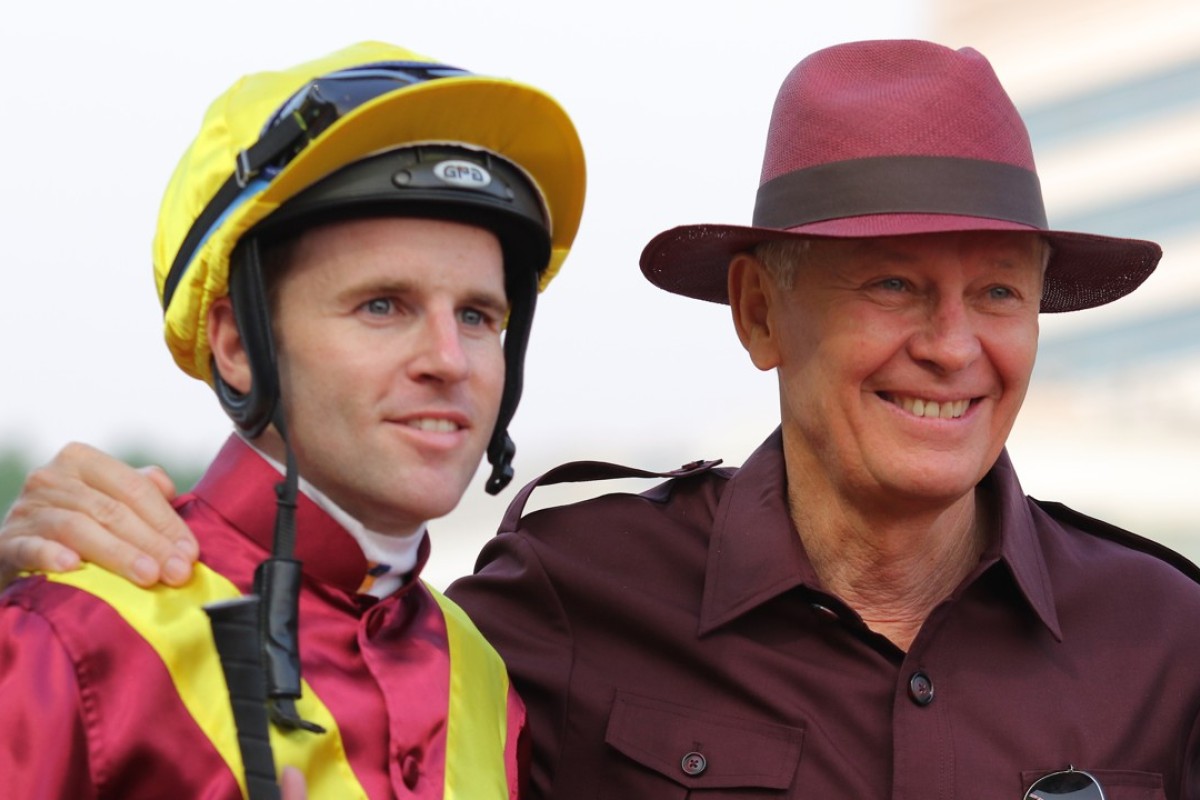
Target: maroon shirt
(679, 641)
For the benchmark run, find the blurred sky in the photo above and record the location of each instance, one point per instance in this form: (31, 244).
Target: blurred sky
(671, 100)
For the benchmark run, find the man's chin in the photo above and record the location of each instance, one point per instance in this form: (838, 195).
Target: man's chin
(934, 491)
(426, 500)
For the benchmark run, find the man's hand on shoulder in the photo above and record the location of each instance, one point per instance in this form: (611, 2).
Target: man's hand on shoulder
(85, 505)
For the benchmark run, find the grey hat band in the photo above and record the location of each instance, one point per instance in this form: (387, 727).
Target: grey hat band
(901, 185)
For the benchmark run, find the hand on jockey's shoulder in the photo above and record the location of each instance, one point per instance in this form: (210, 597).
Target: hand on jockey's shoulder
(85, 505)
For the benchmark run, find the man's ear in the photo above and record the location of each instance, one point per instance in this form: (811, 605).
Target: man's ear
(229, 356)
(751, 293)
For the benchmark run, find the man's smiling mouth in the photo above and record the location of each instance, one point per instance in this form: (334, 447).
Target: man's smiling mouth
(433, 424)
(930, 409)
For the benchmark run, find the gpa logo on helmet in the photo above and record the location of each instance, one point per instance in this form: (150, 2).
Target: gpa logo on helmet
(463, 173)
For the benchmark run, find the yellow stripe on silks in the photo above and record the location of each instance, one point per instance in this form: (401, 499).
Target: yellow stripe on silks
(170, 620)
(477, 722)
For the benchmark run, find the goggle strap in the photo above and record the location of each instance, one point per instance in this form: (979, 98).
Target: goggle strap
(313, 115)
(287, 137)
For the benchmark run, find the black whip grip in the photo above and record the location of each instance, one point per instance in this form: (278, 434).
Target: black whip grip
(235, 632)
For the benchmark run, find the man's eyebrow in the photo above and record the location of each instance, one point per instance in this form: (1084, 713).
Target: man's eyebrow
(878, 254)
(492, 301)
(372, 286)
(482, 298)
(1014, 260)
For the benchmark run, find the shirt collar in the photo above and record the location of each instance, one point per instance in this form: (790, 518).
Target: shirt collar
(1018, 545)
(756, 554)
(239, 485)
(392, 557)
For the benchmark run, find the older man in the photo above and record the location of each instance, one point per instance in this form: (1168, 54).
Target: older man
(870, 606)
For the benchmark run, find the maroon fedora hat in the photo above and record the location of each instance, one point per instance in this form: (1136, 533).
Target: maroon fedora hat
(885, 138)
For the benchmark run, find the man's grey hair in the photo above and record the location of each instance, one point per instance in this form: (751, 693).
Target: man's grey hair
(782, 257)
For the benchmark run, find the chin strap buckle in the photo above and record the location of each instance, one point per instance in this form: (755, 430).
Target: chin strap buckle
(500, 455)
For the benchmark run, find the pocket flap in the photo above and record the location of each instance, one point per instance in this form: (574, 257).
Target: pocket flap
(701, 750)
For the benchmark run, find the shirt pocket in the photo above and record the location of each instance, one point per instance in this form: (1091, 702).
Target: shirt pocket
(692, 750)
(1118, 784)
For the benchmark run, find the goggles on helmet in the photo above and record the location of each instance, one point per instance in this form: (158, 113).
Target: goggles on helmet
(290, 129)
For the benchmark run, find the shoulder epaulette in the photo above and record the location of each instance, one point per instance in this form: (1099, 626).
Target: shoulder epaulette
(579, 471)
(1106, 530)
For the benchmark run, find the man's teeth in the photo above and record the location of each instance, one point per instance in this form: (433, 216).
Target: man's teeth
(436, 425)
(951, 409)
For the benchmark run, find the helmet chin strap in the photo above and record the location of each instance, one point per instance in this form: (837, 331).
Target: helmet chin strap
(254, 409)
(277, 579)
(277, 582)
(523, 293)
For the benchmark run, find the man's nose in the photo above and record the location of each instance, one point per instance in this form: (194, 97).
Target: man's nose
(440, 354)
(947, 340)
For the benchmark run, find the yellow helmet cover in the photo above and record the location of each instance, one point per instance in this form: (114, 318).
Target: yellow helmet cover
(514, 120)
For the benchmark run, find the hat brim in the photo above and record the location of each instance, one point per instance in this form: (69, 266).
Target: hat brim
(1084, 270)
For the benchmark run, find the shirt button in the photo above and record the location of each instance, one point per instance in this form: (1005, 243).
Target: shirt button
(693, 764)
(410, 771)
(920, 688)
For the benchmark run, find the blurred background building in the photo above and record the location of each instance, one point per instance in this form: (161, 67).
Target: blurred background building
(1110, 92)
